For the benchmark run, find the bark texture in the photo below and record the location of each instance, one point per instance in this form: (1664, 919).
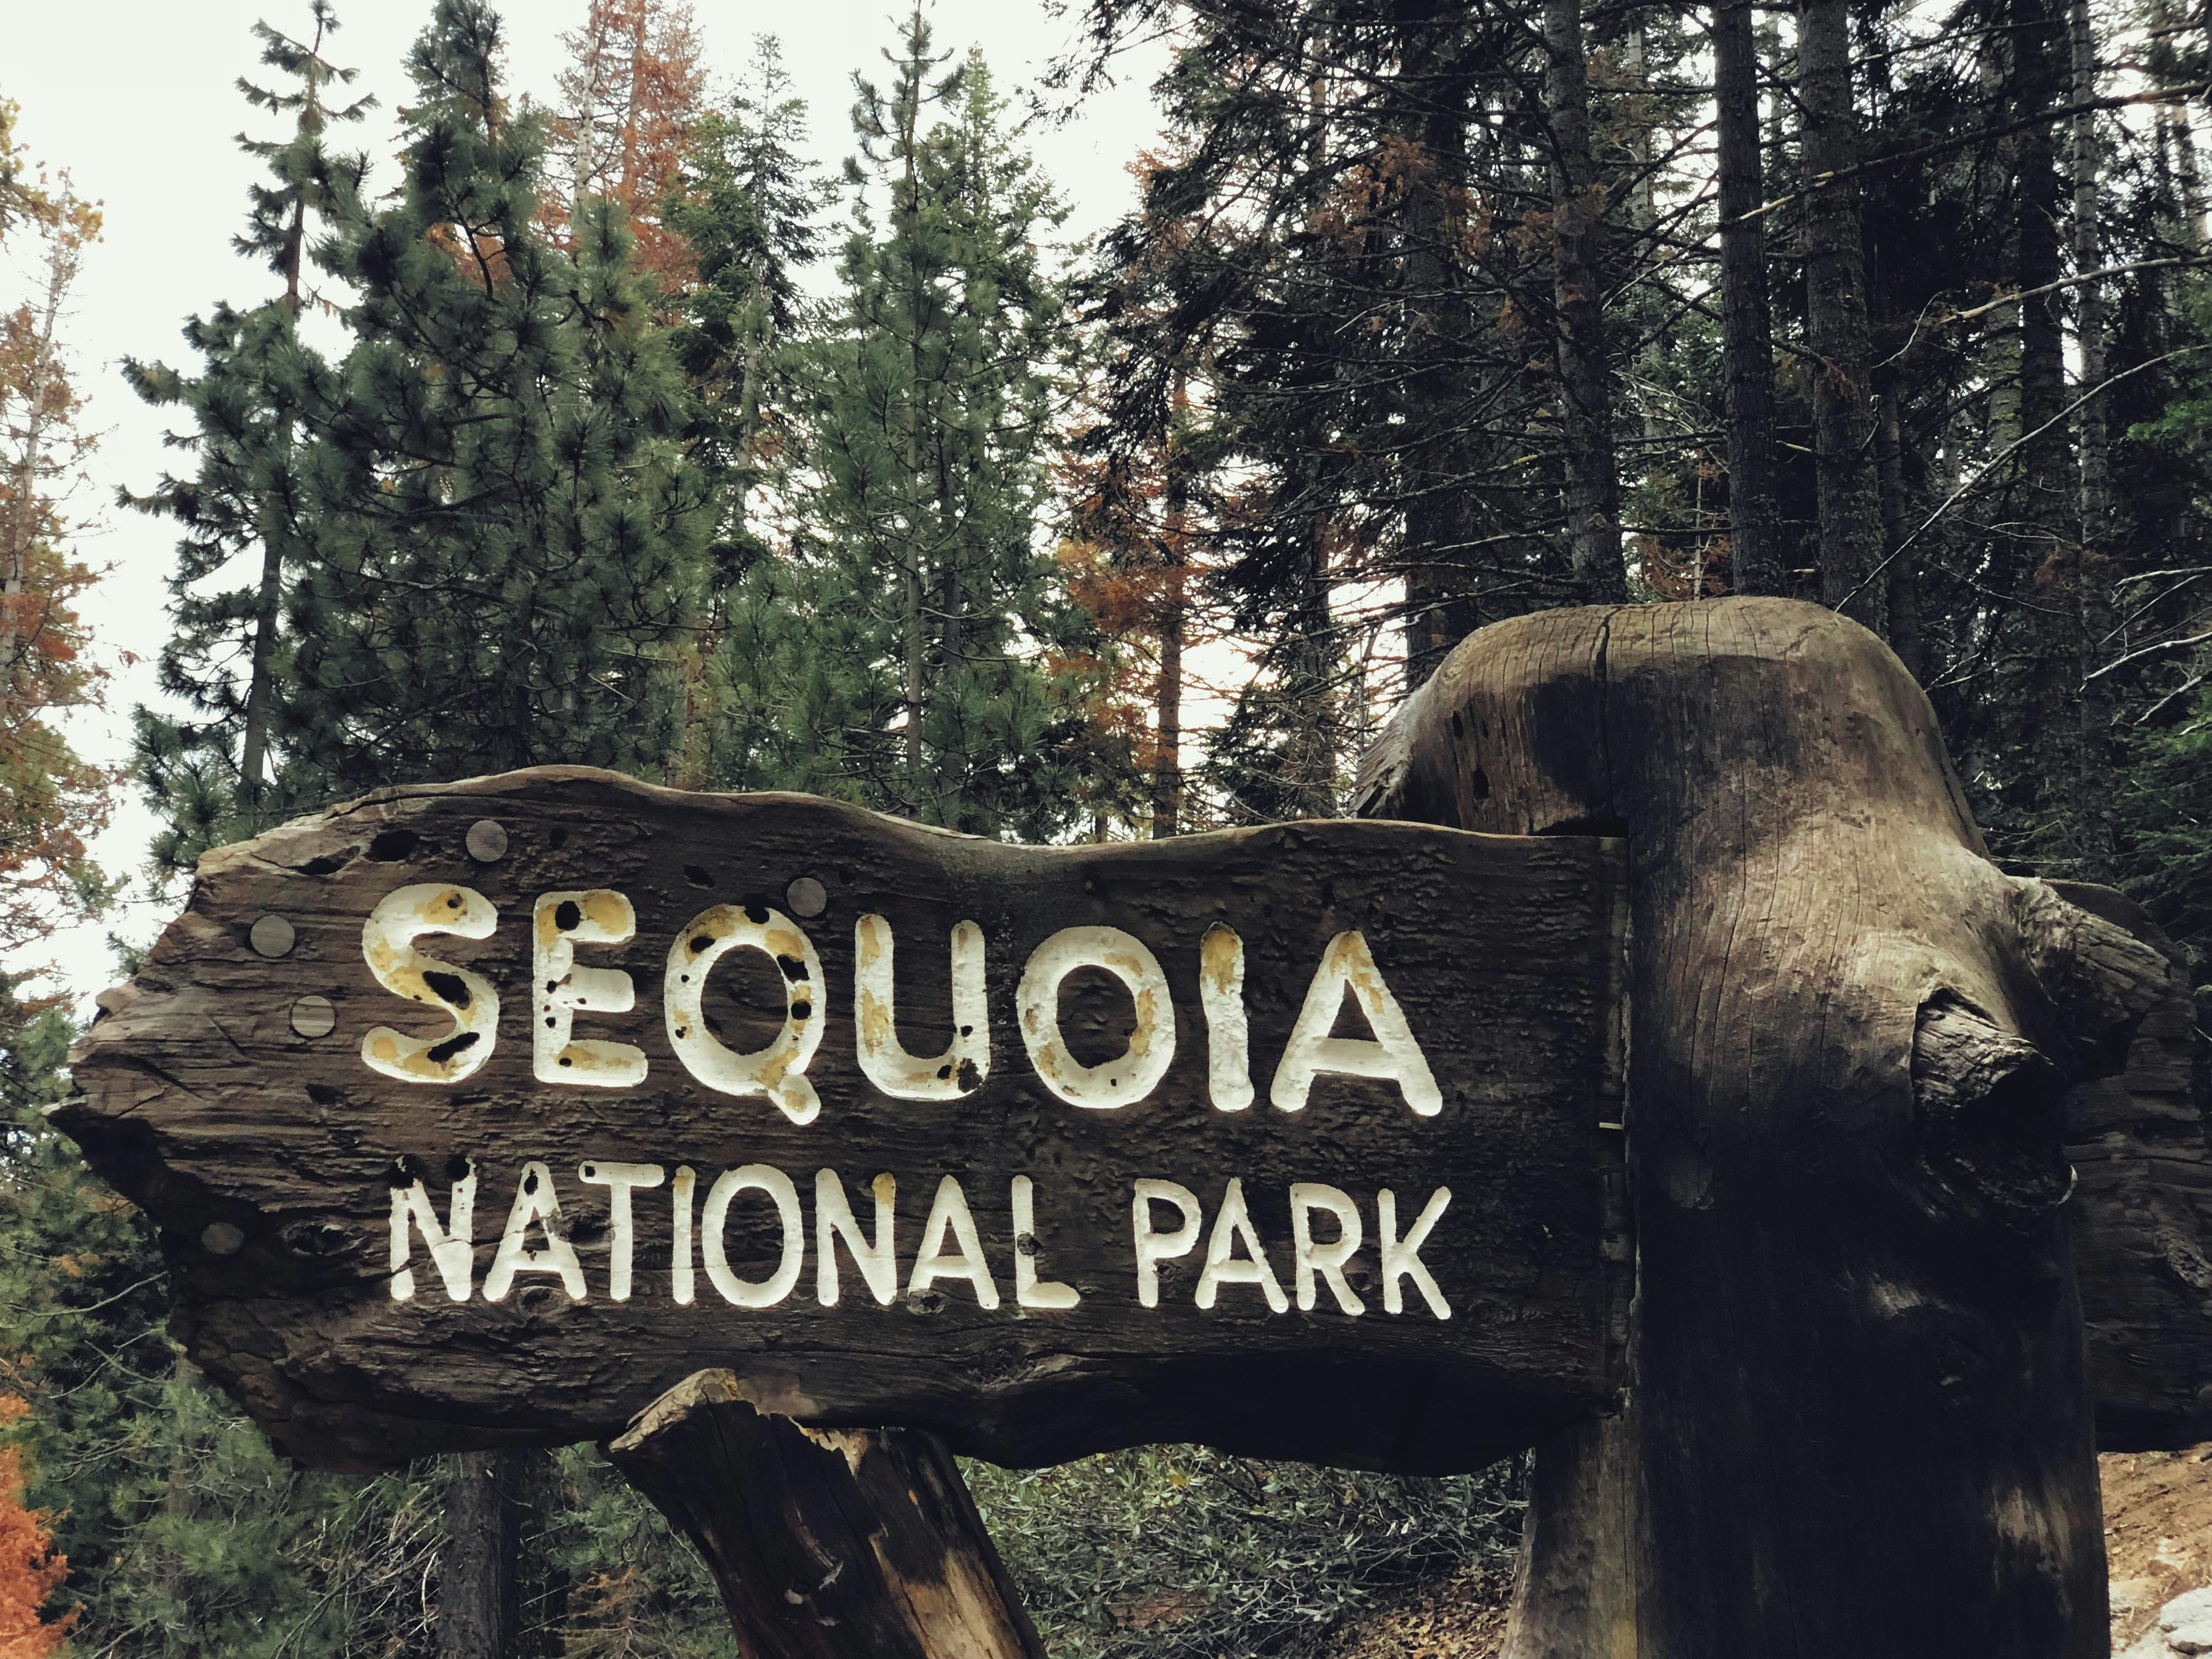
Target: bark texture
(1746, 322)
(2095, 764)
(1857, 1420)
(479, 1588)
(826, 1545)
(1592, 494)
(2143, 1217)
(1836, 323)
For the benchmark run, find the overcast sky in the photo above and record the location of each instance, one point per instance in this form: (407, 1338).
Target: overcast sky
(136, 99)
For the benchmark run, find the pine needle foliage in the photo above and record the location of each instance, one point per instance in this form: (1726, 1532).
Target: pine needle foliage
(918, 651)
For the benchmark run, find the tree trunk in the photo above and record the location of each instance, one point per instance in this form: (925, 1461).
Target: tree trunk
(1902, 582)
(2190, 175)
(916, 643)
(2095, 764)
(827, 1544)
(1857, 1421)
(1309, 690)
(1592, 473)
(1836, 323)
(479, 1585)
(1746, 325)
(252, 764)
(1167, 760)
(2042, 463)
(1444, 578)
(2143, 1228)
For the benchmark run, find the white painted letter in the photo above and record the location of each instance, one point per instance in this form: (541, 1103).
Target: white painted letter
(1228, 1034)
(1152, 1248)
(1232, 1225)
(1403, 1260)
(963, 1066)
(1326, 1260)
(618, 1179)
(1151, 1045)
(834, 1218)
(948, 1212)
(745, 1293)
(778, 1071)
(1393, 1054)
(558, 924)
(1030, 1290)
(679, 1256)
(387, 941)
(534, 1201)
(451, 1246)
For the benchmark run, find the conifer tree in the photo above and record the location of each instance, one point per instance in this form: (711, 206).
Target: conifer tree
(504, 535)
(632, 92)
(251, 404)
(915, 654)
(748, 208)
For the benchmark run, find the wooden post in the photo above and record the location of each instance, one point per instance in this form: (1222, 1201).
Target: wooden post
(1858, 1418)
(827, 1544)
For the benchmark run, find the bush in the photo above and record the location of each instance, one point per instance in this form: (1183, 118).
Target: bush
(1179, 1553)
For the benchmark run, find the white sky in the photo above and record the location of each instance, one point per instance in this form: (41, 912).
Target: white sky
(136, 99)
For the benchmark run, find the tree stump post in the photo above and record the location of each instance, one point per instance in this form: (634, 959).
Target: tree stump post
(1858, 1420)
(827, 1544)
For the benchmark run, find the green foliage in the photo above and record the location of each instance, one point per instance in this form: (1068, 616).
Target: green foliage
(187, 1538)
(505, 532)
(746, 206)
(1178, 1553)
(638, 1589)
(917, 653)
(251, 407)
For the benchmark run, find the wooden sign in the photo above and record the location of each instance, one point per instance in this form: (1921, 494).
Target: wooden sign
(484, 1113)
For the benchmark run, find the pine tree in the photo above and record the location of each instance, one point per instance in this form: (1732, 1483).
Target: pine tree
(631, 97)
(914, 653)
(209, 773)
(503, 534)
(748, 207)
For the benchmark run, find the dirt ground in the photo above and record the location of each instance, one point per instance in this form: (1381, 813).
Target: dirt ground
(2158, 1532)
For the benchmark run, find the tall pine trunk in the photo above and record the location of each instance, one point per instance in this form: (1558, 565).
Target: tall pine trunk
(479, 1586)
(253, 760)
(917, 644)
(2094, 767)
(1836, 327)
(1167, 758)
(1746, 324)
(2043, 463)
(1590, 469)
(1903, 579)
(1444, 578)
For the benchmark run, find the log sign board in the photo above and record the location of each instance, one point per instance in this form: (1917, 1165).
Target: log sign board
(482, 1114)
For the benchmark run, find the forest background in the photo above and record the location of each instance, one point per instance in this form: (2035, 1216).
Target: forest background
(590, 416)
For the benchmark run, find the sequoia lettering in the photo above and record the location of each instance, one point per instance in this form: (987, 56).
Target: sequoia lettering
(562, 987)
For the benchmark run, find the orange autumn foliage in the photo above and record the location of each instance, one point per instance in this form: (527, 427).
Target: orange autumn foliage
(51, 801)
(633, 91)
(30, 1570)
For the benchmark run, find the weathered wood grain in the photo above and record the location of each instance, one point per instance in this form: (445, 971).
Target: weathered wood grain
(226, 1090)
(826, 1543)
(2143, 1217)
(1857, 1420)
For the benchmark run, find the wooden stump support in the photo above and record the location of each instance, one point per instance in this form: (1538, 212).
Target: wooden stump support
(826, 1543)
(1858, 1420)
